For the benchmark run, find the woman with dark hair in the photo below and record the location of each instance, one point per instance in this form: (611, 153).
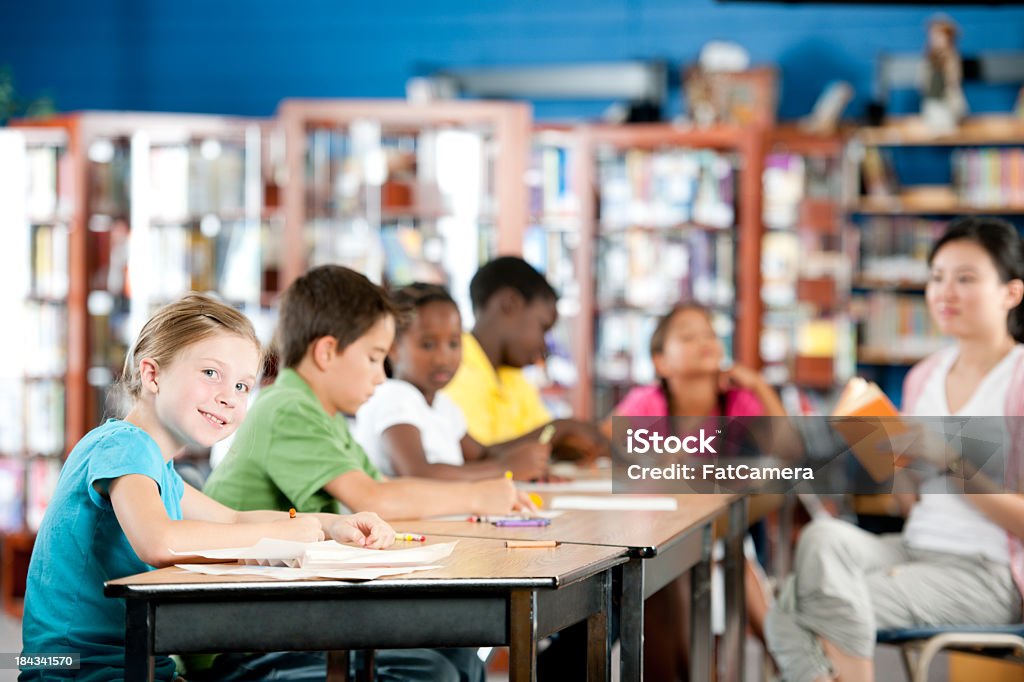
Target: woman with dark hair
(959, 559)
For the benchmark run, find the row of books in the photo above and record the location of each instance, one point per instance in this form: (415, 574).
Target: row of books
(551, 183)
(45, 326)
(898, 323)
(644, 268)
(666, 188)
(38, 476)
(49, 260)
(33, 418)
(47, 179)
(789, 179)
(196, 179)
(989, 177)
(895, 249)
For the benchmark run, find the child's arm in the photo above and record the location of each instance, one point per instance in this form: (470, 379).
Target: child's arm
(414, 498)
(365, 529)
(744, 377)
(152, 534)
(403, 445)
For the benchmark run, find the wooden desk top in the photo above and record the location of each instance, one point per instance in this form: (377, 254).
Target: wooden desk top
(642, 532)
(475, 564)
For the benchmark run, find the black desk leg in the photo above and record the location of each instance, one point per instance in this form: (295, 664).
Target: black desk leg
(701, 657)
(367, 672)
(631, 621)
(735, 601)
(599, 645)
(138, 644)
(523, 636)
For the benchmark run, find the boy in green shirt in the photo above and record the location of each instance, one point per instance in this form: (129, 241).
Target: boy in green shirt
(295, 449)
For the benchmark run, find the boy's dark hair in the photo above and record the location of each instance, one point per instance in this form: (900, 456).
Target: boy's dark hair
(329, 300)
(508, 271)
(412, 297)
(1002, 242)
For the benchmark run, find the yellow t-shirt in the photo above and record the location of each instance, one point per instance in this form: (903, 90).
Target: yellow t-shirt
(498, 405)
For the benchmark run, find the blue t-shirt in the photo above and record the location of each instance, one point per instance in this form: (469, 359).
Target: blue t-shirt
(80, 545)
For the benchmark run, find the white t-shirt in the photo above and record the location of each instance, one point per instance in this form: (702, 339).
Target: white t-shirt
(441, 425)
(948, 522)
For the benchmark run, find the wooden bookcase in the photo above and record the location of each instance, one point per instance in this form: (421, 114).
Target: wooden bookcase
(162, 204)
(634, 211)
(904, 186)
(556, 243)
(148, 207)
(403, 191)
(807, 333)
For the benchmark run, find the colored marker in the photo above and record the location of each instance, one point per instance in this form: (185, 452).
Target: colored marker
(522, 522)
(411, 537)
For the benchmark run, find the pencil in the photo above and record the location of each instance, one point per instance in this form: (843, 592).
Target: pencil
(530, 544)
(411, 537)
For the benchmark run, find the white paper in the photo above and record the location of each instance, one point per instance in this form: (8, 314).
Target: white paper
(284, 573)
(581, 485)
(327, 554)
(614, 503)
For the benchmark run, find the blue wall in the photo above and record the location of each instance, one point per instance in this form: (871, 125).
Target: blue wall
(242, 58)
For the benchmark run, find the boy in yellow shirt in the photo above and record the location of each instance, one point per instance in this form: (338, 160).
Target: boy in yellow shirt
(514, 307)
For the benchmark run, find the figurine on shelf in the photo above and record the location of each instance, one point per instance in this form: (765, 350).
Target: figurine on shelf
(943, 103)
(824, 118)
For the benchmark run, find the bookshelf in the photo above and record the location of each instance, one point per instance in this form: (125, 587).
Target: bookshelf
(403, 191)
(555, 244)
(34, 216)
(672, 214)
(904, 186)
(161, 204)
(807, 332)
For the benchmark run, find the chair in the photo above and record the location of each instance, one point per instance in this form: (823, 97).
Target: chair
(999, 641)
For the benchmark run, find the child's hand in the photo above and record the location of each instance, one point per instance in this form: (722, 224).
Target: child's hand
(303, 528)
(739, 376)
(580, 438)
(365, 529)
(499, 496)
(527, 460)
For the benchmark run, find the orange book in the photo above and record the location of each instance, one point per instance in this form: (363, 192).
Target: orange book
(862, 398)
(869, 438)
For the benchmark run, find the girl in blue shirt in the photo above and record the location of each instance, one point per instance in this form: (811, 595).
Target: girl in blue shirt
(120, 508)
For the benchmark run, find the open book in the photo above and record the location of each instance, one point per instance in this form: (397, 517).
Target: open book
(862, 398)
(869, 439)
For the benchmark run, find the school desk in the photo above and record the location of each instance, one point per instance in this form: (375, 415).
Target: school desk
(662, 546)
(485, 595)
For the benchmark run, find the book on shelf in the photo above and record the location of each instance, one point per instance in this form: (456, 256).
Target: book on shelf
(12, 494)
(50, 260)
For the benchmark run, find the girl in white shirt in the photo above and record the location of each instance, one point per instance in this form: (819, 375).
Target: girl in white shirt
(410, 428)
(959, 560)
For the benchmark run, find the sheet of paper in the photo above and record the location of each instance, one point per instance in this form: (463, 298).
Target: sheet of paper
(284, 573)
(581, 485)
(614, 503)
(328, 554)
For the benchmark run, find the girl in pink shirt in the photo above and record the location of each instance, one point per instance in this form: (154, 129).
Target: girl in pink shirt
(687, 356)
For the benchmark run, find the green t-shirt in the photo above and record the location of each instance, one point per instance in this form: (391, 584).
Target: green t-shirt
(285, 452)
